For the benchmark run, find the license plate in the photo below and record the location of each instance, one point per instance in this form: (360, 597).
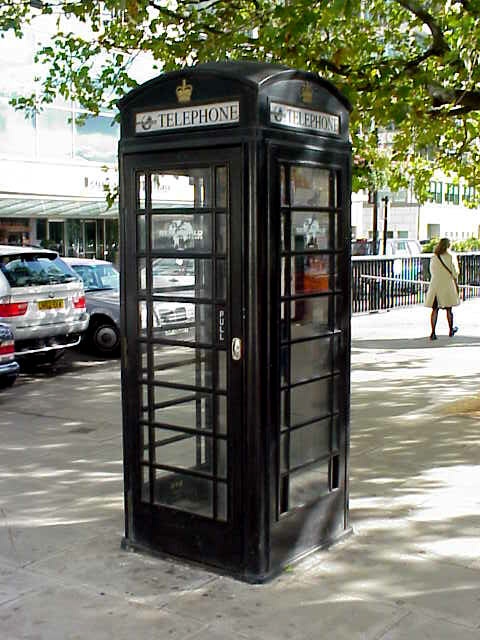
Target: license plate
(45, 305)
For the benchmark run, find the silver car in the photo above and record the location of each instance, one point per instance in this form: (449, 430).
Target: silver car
(101, 281)
(42, 300)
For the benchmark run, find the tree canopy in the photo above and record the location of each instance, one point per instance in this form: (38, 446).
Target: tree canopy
(409, 67)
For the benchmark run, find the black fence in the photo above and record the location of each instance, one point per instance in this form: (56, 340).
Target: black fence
(386, 283)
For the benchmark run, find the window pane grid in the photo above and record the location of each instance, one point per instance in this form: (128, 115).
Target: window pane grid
(309, 275)
(196, 232)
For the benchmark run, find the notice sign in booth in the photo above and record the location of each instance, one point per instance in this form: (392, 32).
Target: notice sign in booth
(235, 257)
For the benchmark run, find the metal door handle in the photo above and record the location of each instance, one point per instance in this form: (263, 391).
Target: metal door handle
(236, 348)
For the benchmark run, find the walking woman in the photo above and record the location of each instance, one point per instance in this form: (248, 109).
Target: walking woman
(443, 290)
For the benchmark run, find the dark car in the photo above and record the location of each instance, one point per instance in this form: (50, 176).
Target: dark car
(8, 367)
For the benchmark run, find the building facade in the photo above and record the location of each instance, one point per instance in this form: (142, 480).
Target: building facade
(52, 169)
(448, 213)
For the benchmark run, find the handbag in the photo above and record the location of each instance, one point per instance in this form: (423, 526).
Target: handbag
(449, 271)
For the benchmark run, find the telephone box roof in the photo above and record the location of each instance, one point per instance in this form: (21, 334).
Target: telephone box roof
(256, 74)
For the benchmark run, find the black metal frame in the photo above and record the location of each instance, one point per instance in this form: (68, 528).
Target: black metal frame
(257, 540)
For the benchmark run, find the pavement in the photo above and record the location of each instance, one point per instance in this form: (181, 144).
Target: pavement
(411, 571)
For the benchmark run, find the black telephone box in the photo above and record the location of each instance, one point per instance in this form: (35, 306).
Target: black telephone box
(235, 182)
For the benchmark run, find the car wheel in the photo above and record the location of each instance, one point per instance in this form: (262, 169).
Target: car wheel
(105, 337)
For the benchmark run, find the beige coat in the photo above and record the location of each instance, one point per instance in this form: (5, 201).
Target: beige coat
(442, 285)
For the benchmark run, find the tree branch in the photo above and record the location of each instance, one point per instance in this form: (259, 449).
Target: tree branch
(439, 44)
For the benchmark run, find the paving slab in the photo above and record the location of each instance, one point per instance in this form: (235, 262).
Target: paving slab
(410, 571)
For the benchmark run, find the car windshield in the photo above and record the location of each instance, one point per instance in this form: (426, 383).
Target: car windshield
(98, 277)
(31, 270)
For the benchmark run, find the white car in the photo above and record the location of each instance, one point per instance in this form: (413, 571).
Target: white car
(42, 300)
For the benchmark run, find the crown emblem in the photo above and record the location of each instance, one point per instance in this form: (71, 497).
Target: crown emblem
(306, 93)
(184, 92)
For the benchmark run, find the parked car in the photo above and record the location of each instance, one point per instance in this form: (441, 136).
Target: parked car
(8, 366)
(43, 302)
(173, 274)
(102, 283)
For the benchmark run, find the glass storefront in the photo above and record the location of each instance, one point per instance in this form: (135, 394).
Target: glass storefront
(80, 238)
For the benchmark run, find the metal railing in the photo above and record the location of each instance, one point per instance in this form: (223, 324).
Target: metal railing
(380, 283)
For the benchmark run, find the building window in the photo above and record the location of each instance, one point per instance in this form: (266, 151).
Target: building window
(435, 191)
(433, 231)
(468, 193)
(17, 132)
(96, 139)
(55, 134)
(452, 193)
(402, 234)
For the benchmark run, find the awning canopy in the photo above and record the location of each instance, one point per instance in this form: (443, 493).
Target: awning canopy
(32, 207)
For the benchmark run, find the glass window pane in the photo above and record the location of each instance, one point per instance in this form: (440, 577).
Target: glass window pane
(142, 317)
(308, 484)
(221, 233)
(283, 190)
(145, 491)
(310, 359)
(338, 272)
(141, 191)
(309, 186)
(221, 187)
(144, 402)
(340, 320)
(183, 322)
(309, 443)
(16, 58)
(182, 232)
(222, 370)
(184, 277)
(111, 241)
(183, 492)
(309, 317)
(283, 231)
(141, 233)
(144, 442)
(183, 450)
(182, 188)
(335, 434)
(188, 409)
(17, 133)
(310, 231)
(222, 459)
(221, 276)
(143, 351)
(304, 445)
(222, 501)
(309, 401)
(183, 365)
(221, 414)
(310, 274)
(74, 238)
(142, 274)
(54, 129)
(96, 139)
